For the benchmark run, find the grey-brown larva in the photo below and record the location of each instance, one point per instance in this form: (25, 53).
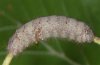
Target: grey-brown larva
(50, 26)
(45, 27)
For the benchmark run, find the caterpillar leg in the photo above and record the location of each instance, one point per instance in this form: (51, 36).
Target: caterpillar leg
(97, 40)
(8, 59)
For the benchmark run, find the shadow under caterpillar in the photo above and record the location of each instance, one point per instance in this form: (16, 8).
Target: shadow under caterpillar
(45, 27)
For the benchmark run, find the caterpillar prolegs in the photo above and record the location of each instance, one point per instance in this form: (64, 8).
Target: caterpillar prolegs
(45, 27)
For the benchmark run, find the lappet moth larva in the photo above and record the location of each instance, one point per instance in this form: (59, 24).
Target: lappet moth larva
(45, 27)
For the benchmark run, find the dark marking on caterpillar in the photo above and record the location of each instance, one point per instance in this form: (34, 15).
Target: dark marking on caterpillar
(37, 34)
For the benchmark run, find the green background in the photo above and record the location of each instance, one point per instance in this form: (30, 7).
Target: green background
(14, 13)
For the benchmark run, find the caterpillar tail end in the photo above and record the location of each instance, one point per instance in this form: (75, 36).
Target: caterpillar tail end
(8, 59)
(97, 40)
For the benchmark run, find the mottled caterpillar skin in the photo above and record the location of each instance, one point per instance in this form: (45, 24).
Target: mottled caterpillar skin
(50, 26)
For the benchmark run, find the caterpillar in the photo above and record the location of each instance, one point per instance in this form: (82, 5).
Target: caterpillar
(45, 27)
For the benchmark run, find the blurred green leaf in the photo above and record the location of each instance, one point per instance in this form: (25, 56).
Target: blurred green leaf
(14, 13)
